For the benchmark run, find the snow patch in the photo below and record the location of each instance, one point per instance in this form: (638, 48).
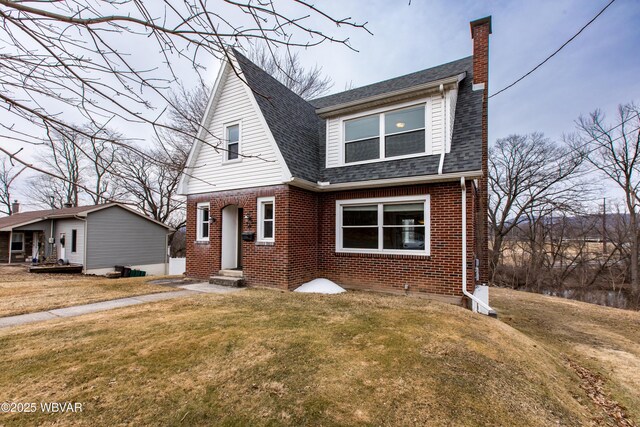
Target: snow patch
(320, 286)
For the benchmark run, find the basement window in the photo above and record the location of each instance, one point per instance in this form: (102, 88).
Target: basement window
(394, 225)
(202, 222)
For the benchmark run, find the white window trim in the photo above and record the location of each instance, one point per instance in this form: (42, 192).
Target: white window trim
(225, 133)
(425, 198)
(381, 133)
(261, 202)
(199, 221)
(11, 243)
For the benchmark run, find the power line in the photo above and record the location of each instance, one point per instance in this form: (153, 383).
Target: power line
(554, 53)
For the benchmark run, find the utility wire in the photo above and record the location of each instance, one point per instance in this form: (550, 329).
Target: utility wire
(554, 53)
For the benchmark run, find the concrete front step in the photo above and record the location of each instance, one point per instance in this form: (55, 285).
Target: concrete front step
(234, 282)
(231, 273)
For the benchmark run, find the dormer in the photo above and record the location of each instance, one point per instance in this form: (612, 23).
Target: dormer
(413, 122)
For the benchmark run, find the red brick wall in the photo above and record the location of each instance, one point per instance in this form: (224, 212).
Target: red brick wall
(263, 265)
(304, 246)
(439, 273)
(480, 31)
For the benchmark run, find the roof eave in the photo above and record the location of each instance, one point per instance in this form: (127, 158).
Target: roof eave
(390, 182)
(389, 97)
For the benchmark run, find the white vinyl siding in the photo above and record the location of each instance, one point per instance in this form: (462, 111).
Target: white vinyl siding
(439, 120)
(209, 173)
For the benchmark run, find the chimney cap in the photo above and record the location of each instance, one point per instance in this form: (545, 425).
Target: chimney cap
(481, 21)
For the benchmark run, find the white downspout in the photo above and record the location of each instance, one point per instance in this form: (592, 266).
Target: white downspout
(464, 252)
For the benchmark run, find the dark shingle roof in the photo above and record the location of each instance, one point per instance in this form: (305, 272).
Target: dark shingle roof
(292, 120)
(300, 132)
(25, 217)
(403, 82)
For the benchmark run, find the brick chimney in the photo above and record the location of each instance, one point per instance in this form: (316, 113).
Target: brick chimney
(480, 30)
(15, 207)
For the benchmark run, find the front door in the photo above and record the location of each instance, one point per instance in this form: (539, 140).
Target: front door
(63, 251)
(231, 241)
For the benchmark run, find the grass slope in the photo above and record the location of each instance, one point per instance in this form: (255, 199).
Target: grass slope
(262, 357)
(22, 292)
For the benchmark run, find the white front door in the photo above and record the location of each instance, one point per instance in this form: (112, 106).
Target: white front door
(63, 251)
(229, 258)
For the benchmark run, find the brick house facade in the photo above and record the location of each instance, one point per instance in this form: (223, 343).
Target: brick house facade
(306, 178)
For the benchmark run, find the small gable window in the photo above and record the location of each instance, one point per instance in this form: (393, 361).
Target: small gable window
(389, 134)
(233, 142)
(202, 222)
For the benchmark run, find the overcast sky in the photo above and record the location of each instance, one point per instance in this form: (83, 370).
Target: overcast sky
(597, 70)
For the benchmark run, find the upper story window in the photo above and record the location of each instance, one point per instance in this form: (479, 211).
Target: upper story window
(385, 135)
(266, 219)
(202, 222)
(233, 142)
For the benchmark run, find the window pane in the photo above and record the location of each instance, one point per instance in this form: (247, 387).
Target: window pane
(407, 238)
(360, 238)
(362, 150)
(232, 152)
(360, 215)
(404, 143)
(268, 210)
(205, 229)
(233, 133)
(268, 229)
(404, 120)
(365, 127)
(205, 214)
(405, 214)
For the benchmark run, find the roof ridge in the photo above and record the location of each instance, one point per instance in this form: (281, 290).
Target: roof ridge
(236, 52)
(466, 58)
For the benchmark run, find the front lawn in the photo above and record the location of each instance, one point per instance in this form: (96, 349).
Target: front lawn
(22, 292)
(262, 357)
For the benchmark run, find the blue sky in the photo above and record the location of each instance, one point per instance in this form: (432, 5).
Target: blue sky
(599, 69)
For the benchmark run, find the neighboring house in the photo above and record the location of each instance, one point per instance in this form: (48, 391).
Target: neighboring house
(97, 237)
(365, 187)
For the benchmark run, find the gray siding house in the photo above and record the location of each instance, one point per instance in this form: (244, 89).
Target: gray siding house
(97, 237)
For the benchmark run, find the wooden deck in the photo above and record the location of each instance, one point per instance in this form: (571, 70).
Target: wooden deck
(71, 268)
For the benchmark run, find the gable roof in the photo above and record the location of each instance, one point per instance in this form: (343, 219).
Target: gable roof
(299, 129)
(20, 219)
(292, 120)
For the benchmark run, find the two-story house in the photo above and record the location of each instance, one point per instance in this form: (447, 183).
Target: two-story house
(382, 187)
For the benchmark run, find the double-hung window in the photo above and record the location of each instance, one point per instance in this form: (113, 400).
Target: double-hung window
(233, 141)
(17, 242)
(202, 222)
(266, 219)
(385, 135)
(397, 225)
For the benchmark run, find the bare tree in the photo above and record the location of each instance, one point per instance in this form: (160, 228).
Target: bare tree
(63, 164)
(103, 159)
(528, 173)
(287, 69)
(79, 58)
(614, 151)
(8, 175)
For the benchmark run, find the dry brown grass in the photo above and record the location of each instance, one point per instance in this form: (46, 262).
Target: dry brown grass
(263, 357)
(22, 292)
(604, 340)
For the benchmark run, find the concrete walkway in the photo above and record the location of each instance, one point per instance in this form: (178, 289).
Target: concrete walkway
(79, 310)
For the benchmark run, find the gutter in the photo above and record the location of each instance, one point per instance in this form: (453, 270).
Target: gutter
(377, 183)
(464, 254)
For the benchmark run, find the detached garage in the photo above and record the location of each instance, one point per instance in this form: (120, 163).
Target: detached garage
(96, 237)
